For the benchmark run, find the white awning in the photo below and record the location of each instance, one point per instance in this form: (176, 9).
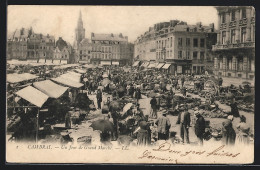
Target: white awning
(145, 64)
(83, 61)
(72, 76)
(67, 82)
(16, 78)
(160, 65)
(50, 88)
(48, 61)
(64, 61)
(105, 63)
(41, 60)
(81, 71)
(152, 65)
(32, 61)
(33, 96)
(56, 61)
(166, 66)
(115, 63)
(136, 63)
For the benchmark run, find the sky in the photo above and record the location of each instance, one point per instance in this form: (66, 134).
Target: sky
(131, 21)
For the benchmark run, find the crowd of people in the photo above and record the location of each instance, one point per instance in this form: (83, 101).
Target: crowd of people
(129, 85)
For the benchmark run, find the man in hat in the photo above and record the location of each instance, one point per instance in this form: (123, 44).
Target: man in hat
(153, 103)
(184, 121)
(199, 127)
(163, 126)
(99, 98)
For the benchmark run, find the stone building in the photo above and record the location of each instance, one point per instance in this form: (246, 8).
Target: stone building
(104, 49)
(25, 44)
(181, 48)
(235, 48)
(62, 52)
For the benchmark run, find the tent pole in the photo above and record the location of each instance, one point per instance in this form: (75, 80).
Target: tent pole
(37, 124)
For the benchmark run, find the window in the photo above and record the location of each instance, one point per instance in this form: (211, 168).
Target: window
(223, 18)
(233, 15)
(179, 54)
(202, 42)
(223, 37)
(195, 55)
(80, 52)
(187, 54)
(195, 42)
(188, 42)
(171, 41)
(179, 42)
(202, 55)
(80, 57)
(243, 13)
(243, 34)
(233, 35)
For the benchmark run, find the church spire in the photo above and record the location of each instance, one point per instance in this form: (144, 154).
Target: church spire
(80, 31)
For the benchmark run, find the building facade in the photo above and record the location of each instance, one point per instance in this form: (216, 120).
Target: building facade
(104, 49)
(235, 48)
(62, 52)
(25, 44)
(184, 48)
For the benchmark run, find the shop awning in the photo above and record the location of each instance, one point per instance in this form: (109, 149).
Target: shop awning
(50, 88)
(16, 78)
(105, 63)
(166, 66)
(67, 82)
(145, 64)
(151, 65)
(84, 61)
(48, 61)
(81, 71)
(64, 61)
(115, 63)
(72, 76)
(136, 63)
(33, 96)
(41, 60)
(32, 61)
(160, 65)
(56, 61)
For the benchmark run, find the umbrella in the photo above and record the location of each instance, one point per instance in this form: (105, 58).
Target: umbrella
(105, 82)
(100, 87)
(85, 79)
(168, 87)
(229, 95)
(102, 125)
(105, 75)
(152, 94)
(127, 107)
(115, 105)
(246, 82)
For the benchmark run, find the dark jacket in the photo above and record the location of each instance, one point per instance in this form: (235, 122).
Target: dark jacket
(234, 109)
(153, 103)
(186, 118)
(99, 96)
(200, 126)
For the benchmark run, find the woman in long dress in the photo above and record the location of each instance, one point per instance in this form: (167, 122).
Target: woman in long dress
(243, 132)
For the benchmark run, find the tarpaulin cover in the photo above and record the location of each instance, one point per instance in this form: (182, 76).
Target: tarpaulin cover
(33, 96)
(105, 63)
(152, 65)
(56, 61)
(64, 61)
(41, 60)
(81, 71)
(115, 63)
(160, 65)
(166, 66)
(50, 88)
(67, 82)
(136, 63)
(16, 78)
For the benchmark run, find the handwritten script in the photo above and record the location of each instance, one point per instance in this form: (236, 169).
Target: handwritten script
(166, 148)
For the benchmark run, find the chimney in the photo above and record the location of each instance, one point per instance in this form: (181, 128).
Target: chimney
(112, 35)
(92, 34)
(198, 24)
(22, 31)
(121, 35)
